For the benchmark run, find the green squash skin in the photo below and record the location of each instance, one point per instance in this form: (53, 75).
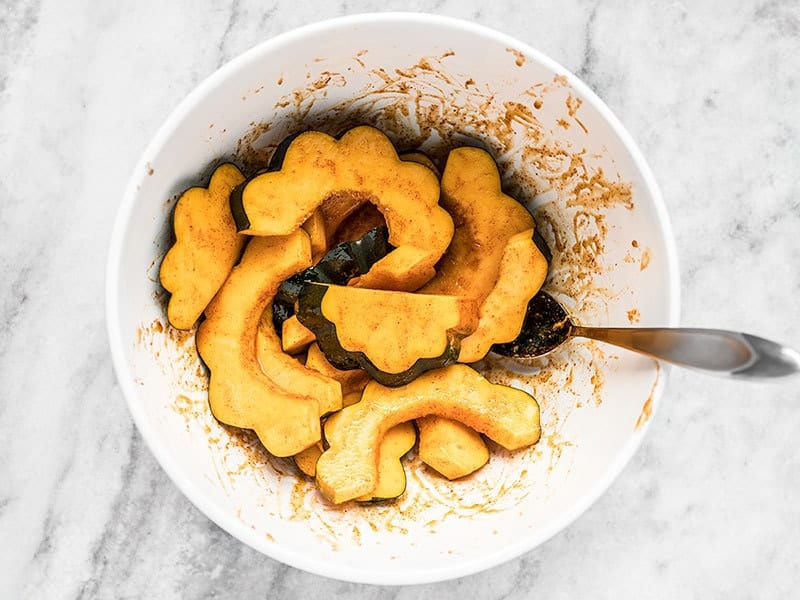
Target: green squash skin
(309, 313)
(541, 244)
(339, 265)
(237, 208)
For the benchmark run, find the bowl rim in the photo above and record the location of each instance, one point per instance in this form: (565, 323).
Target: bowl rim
(125, 378)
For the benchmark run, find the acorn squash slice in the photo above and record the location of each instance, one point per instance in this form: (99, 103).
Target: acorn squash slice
(206, 247)
(363, 163)
(449, 447)
(394, 336)
(482, 260)
(485, 219)
(393, 446)
(391, 475)
(290, 374)
(521, 273)
(240, 393)
(348, 469)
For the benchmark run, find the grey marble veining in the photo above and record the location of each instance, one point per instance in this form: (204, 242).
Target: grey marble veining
(707, 508)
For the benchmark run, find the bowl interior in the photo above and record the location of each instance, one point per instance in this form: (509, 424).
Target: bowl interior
(432, 83)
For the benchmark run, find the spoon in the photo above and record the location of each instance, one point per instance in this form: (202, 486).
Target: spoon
(547, 325)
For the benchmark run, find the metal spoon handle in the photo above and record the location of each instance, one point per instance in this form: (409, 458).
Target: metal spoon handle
(717, 351)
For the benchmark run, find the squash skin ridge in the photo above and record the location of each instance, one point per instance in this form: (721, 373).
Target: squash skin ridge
(240, 392)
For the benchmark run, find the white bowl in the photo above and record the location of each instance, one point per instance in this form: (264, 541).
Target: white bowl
(422, 79)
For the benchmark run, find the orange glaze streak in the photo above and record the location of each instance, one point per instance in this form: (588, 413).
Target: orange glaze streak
(647, 407)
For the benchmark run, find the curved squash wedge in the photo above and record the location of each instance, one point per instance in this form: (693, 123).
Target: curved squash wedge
(240, 393)
(521, 273)
(206, 247)
(290, 374)
(363, 163)
(450, 447)
(489, 258)
(393, 336)
(348, 468)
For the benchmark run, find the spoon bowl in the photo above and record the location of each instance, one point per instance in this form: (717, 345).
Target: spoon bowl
(547, 326)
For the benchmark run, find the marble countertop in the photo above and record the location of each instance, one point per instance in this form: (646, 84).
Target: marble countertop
(709, 506)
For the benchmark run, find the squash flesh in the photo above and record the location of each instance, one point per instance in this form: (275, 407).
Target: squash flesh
(348, 468)
(295, 337)
(207, 246)
(485, 219)
(306, 460)
(391, 475)
(240, 393)
(449, 447)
